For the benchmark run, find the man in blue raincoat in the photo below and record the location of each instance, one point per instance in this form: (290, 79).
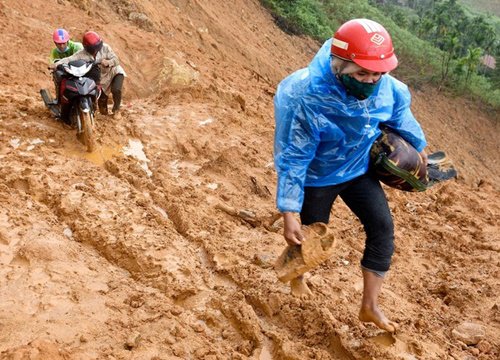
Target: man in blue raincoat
(327, 117)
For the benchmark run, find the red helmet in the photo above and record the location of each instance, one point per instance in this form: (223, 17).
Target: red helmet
(92, 42)
(366, 43)
(60, 36)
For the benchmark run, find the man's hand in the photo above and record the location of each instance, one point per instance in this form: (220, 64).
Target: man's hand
(292, 230)
(106, 62)
(52, 66)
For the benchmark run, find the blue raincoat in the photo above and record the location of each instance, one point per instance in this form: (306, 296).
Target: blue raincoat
(323, 136)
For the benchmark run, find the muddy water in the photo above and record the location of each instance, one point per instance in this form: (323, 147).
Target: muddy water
(99, 156)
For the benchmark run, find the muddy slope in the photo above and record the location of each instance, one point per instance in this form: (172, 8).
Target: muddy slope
(161, 244)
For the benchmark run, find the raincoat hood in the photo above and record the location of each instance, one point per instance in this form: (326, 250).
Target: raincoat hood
(323, 135)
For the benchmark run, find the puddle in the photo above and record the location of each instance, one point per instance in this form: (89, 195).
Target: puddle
(384, 339)
(134, 149)
(99, 156)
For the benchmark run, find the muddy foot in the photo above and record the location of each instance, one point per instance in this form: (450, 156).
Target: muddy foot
(374, 315)
(299, 288)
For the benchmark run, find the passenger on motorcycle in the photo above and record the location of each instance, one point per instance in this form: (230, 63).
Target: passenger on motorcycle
(64, 48)
(112, 74)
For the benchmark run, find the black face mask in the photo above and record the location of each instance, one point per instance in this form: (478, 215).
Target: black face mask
(358, 89)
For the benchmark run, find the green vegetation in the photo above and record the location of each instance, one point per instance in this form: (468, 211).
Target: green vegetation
(483, 6)
(299, 17)
(437, 41)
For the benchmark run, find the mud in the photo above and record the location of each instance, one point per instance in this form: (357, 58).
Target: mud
(161, 244)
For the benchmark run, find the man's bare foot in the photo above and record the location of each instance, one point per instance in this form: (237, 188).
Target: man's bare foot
(374, 315)
(299, 287)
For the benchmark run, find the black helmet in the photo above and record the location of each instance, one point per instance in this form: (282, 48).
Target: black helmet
(92, 42)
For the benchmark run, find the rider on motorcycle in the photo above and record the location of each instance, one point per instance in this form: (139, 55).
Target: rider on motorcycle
(112, 74)
(64, 48)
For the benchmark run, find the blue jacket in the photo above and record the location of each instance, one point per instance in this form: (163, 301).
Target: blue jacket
(323, 136)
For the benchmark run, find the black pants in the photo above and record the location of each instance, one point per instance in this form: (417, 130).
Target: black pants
(116, 91)
(366, 198)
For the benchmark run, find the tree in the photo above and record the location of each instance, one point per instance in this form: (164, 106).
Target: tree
(471, 61)
(450, 47)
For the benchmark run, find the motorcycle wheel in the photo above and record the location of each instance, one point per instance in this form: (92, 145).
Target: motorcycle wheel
(88, 130)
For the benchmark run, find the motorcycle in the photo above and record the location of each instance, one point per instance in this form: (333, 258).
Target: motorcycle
(78, 94)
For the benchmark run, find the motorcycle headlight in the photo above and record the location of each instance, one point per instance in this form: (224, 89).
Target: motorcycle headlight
(79, 71)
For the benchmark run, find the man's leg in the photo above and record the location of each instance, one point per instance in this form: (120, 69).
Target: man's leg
(318, 202)
(102, 103)
(65, 113)
(57, 77)
(370, 312)
(366, 198)
(116, 90)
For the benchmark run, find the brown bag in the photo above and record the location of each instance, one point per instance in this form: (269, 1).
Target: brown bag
(397, 163)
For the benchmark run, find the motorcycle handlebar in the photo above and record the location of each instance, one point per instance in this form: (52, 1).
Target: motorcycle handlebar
(63, 65)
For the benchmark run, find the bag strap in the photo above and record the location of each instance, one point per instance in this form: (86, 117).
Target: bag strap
(411, 179)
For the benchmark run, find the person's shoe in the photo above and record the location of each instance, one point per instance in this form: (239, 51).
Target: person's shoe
(117, 115)
(65, 121)
(103, 107)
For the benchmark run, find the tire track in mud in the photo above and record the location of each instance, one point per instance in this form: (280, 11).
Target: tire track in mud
(158, 258)
(123, 226)
(236, 316)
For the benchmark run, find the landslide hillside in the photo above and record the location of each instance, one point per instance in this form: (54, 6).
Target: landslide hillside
(161, 244)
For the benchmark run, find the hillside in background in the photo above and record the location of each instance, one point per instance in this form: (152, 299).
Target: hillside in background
(484, 6)
(161, 244)
(439, 42)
